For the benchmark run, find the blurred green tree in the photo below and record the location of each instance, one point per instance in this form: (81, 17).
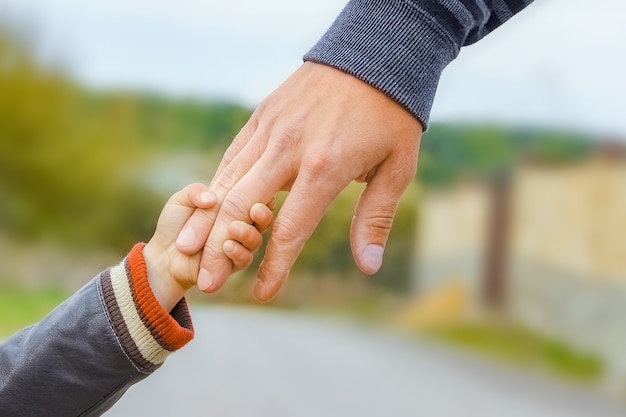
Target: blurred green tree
(63, 169)
(450, 152)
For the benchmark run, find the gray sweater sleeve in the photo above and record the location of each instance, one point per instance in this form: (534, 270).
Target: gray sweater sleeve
(402, 46)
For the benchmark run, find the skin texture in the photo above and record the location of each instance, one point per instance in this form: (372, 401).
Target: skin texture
(170, 272)
(312, 136)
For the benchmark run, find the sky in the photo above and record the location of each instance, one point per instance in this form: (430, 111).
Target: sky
(559, 63)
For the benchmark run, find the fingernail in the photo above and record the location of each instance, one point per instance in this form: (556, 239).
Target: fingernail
(186, 238)
(259, 290)
(373, 257)
(205, 281)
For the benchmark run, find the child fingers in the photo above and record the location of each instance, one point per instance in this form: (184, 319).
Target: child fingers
(239, 255)
(261, 215)
(246, 234)
(195, 195)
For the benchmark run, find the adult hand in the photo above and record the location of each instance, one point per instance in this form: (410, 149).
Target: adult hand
(312, 136)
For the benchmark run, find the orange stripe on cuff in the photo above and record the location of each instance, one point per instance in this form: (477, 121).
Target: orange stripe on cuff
(172, 331)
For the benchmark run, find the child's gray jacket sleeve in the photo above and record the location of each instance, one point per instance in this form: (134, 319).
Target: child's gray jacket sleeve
(82, 357)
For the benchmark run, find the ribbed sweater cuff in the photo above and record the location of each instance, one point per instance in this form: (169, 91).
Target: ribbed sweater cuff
(146, 332)
(393, 45)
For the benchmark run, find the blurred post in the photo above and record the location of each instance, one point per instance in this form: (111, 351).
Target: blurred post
(496, 259)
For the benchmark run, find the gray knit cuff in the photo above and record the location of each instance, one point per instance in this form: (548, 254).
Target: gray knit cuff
(392, 45)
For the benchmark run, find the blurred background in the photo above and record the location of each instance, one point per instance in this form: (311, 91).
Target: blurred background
(510, 243)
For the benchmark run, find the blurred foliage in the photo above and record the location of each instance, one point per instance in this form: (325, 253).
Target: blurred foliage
(452, 152)
(71, 162)
(183, 125)
(63, 169)
(523, 347)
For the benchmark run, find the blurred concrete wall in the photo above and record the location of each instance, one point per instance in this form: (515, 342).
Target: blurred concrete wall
(565, 255)
(567, 258)
(451, 238)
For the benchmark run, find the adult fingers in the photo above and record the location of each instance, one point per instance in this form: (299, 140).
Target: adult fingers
(375, 211)
(197, 229)
(250, 146)
(237, 145)
(215, 267)
(296, 221)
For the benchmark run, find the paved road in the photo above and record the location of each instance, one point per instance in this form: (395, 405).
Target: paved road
(263, 363)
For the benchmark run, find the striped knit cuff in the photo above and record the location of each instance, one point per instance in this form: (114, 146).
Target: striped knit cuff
(147, 333)
(393, 45)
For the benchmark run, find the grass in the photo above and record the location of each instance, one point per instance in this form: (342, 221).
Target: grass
(20, 307)
(522, 347)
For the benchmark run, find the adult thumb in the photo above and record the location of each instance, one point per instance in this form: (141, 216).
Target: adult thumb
(373, 218)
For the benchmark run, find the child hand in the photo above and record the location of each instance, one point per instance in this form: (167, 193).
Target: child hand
(170, 272)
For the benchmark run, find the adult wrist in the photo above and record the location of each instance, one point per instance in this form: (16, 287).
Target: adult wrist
(393, 45)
